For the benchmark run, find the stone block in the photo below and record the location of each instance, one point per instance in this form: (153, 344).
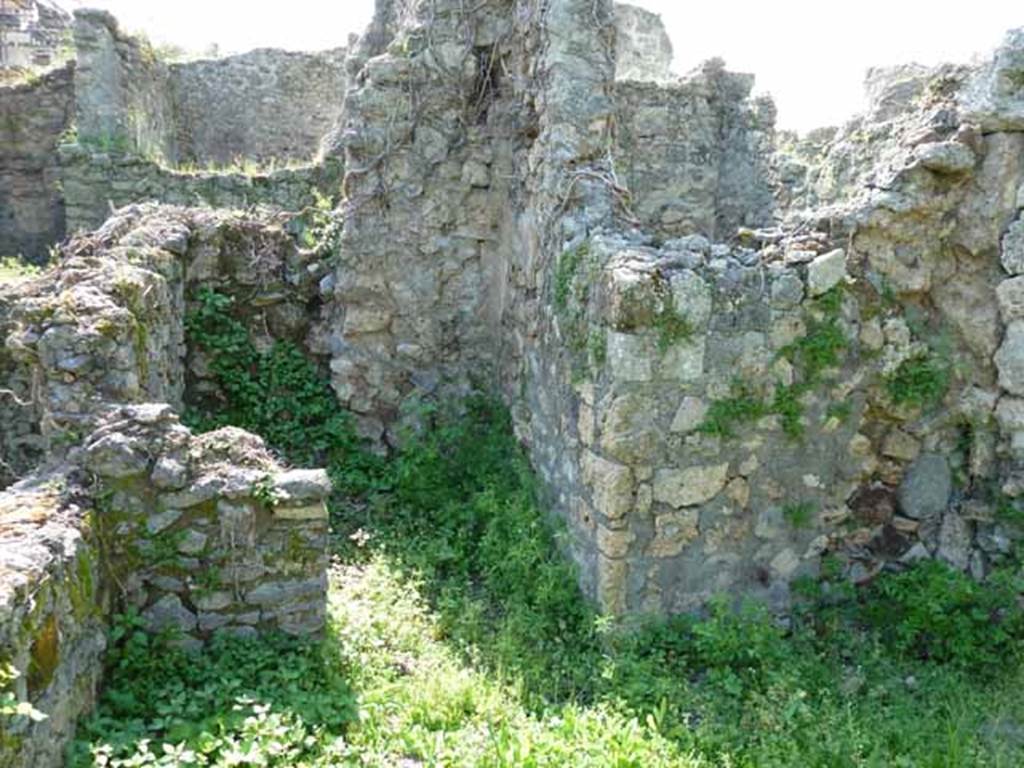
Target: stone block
(690, 486)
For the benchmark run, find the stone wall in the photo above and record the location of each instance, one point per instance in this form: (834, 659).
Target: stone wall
(33, 117)
(122, 90)
(124, 127)
(96, 183)
(128, 508)
(32, 34)
(261, 106)
(694, 154)
(643, 49)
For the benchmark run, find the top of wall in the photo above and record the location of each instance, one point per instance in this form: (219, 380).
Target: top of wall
(643, 49)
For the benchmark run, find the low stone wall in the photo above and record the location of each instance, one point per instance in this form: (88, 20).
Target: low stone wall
(207, 532)
(96, 183)
(33, 117)
(54, 609)
(198, 533)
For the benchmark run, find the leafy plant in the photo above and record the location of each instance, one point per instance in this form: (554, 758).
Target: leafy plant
(277, 393)
(922, 380)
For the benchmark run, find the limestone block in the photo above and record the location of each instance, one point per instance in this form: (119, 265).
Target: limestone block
(690, 486)
(611, 485)
(945, 157)
(169, 613)
(684, 361)
(690, 415)
(614, 543)
(630, 356)
(691, 298)
(1009, 359)
(1012, 255)
(826, 272)
(1011, 299)
(673, 531)
(628, 431)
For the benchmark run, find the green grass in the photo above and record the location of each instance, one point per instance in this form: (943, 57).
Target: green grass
(920, 381)
(723, 416)
(457, 637)
(13, 269)
(799, 514)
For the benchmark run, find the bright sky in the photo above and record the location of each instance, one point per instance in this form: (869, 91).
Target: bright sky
(811, 55)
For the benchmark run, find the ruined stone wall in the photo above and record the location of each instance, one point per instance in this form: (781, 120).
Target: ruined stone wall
(424, 189)
(77, 143)
(198, 533)
(643, 49)
(33, 34)
(693, 154)
(55, 609)
(96, 183)
(261, 106)
(129, 508)
(33, 117)
(122, 90)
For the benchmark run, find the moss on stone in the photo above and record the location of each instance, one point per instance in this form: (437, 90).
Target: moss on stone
(44, 656)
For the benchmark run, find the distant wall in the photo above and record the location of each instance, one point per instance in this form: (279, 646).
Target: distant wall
(33, 115)
(694, 154)
(96, 183)
(122, 91)
(262, 105)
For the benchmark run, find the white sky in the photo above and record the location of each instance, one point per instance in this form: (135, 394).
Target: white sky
(811, 55)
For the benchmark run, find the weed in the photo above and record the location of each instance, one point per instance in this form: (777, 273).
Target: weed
(841, 412)
(671, 327)
(922, 380)
(740, 407)
(569, 264)
(786, 404)
(277, 393)
(799, 514)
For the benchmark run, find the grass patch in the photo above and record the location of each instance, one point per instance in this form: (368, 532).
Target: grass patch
(458, 638)
(569, 265)
(741, 407)
(799, 514)
(920, 381)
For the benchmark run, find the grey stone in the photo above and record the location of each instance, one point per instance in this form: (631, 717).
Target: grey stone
(278, 592)
(946, 157)
(1009, 359)
(117, 456)
(1012, 254)
(169, 613)
(193, 542)
(630, 357)
(826, 272)
(926, 488)
(993, 98)
(787, 290)
(212, 601)
(161, 521)
(299, 485)
(169, 474)
(690, 415)
(954, 541)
